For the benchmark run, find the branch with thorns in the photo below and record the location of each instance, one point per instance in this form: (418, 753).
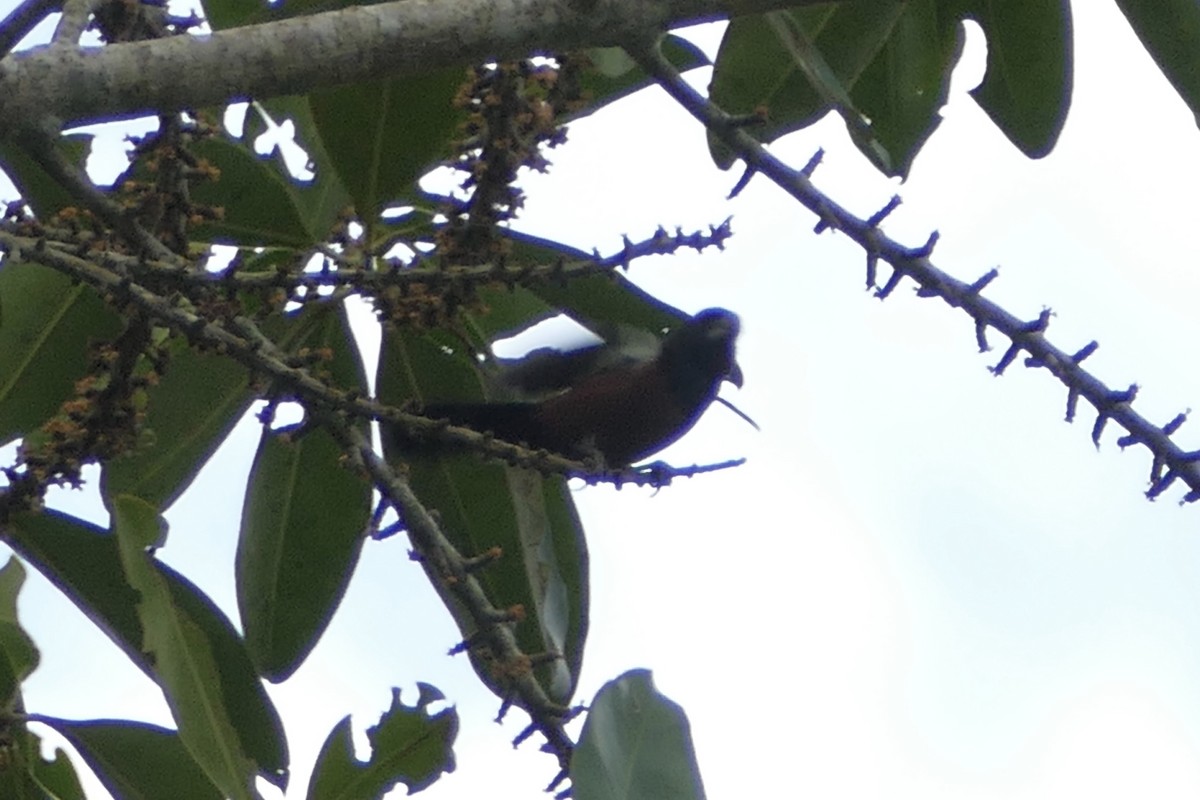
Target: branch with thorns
(1169, 461)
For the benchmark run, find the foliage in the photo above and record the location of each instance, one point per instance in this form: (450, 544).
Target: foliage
(120, 344)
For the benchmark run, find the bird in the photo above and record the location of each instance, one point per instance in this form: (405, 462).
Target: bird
(610, 400)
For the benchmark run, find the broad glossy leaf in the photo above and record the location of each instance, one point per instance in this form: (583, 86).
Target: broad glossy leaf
(27, 775)
(483, 505)
(1170, 29)
(597, 300)
(55, 776)
(261, 203)
(18, 655)
(189, 412)
(303, 525)
(137, 760)
(1027, 87)
(322, 200)
(46, 327)
(408, 745)
(885, 66)
(382, 136)
(189, 663)
(82, 560)
(636, 744)
(613, 74)
(45, 195)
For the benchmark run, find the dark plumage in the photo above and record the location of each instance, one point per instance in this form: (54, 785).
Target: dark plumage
(620, 407)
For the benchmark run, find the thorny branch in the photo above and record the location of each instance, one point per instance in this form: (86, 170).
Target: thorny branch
(1170, 462)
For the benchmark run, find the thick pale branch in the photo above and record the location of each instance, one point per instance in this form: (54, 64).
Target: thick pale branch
(299, 55)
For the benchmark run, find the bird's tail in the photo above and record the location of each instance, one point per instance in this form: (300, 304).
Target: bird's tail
(513, 422)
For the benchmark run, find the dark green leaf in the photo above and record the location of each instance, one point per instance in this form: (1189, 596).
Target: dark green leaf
(636, 745)
(303, 526)
(382, 136)
(229, 741)
(136, 760)
(82, 560)
(45, 195)
(190, 411)
(1027, 88)
(261, 203)
(613, 74)
(1170, 29)
(56, 776)
(409, 745)
(595, 301)
(482, 505)
(885, 66)
(321, 202)
(46, 327)
(18, 656)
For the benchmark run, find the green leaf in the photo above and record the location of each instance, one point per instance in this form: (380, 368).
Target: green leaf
(186, 660)
(613, 74)
(46, 328)
(136, 760)
(189, 412)
(303, 527)
(261, 203)
(1169, 29)
(543, 567)
(54, 777)
(322, 201)
(885, 66)
(81, 560)
(18, 655)
(382, 136)
(409, 745)
(45, 195)
(1027, 87)
(635, 744)
(595, 301)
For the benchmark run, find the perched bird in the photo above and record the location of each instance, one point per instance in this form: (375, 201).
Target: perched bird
(604, 400)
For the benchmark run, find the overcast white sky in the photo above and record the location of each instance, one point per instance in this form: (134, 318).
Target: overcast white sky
(923, 583)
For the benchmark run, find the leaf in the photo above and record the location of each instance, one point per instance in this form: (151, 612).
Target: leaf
(613, 74)
(382, 136)
(303, 526)
(190, 411)
(408, 745)
(1169, 30)
(1027, 87)
(885, 66)
(54, 777)
(45, 195)
(136, 760)
(81, 560)
(187, 661)
(594, 301)
(543, 566)
(46, 327)
(635, 744)
(18, 655)
(261, 203)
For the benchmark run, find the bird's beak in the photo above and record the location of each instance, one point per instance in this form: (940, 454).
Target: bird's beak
(734, 375)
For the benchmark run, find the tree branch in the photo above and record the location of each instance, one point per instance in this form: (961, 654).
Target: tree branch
(367, 42)
(1170, 462)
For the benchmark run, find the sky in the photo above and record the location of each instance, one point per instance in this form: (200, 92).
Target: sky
(923, 582)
